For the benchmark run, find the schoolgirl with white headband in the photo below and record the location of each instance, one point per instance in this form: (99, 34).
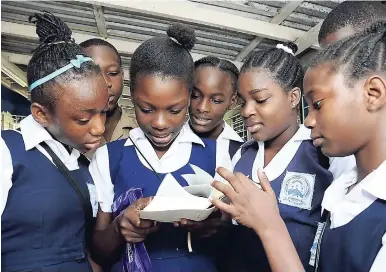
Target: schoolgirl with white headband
(270, 89)
(48, 197)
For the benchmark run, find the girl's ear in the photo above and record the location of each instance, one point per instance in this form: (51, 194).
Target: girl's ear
(375, 93)
(294, 96)
(40, 114)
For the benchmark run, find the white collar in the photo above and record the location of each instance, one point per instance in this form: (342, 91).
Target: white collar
(303, 134)
(33, 133)
(186, 135)
(375, 182)
(229, 134)
(344, 206)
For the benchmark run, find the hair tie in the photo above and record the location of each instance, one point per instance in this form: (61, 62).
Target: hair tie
(285, 48)
(56, 42)
(175, 40)
(73, 63)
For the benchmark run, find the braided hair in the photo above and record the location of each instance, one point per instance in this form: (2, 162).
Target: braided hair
(55, 51)
(357, 14)
(224, 65)
(283, 67)
(357, 55)
(165, 56)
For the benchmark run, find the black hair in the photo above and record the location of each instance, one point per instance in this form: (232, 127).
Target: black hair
(224, 65)
(358, 55)
(166, 56)
(99, 42)
(55, 51)
(357, 14)
(282, 66)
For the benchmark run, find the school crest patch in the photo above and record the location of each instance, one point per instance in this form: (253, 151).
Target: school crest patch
(297, 190)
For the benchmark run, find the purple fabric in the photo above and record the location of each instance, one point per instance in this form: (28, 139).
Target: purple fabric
(135, 258)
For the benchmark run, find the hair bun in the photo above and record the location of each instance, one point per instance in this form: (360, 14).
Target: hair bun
(183, 34)
(50, 28)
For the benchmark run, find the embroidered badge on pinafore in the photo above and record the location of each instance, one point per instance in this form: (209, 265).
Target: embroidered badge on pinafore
(297, 190)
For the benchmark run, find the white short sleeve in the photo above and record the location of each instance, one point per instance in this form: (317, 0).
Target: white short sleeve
(6, 172)
(340, 165)
(100, 172)
(379, 263)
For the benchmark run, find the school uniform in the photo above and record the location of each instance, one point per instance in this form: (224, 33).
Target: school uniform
(299, 174)
(118, 168)
(121, 130)
(42, 223)
(355, 237)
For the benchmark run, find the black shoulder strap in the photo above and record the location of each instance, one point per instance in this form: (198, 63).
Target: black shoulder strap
(143, 156)
(84, 195)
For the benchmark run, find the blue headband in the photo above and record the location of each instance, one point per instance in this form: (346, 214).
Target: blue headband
(73, 63)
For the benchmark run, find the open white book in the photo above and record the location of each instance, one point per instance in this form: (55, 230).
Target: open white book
(173, 202)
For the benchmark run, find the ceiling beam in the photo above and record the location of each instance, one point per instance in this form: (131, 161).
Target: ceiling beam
(284, 12)
(200, 14)
(309, 39)
(14, 72)
(125, 47)
(248, 49)
(17, 58)
(100, 20)
(29, 32)
(14, 87)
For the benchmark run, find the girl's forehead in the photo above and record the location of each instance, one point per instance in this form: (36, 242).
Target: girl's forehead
(160, 90)
(319, 73)
(257, 79)
(83, 91)
(323, 80)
